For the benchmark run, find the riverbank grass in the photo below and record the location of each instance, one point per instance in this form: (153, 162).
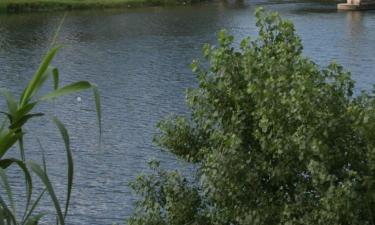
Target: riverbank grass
(51, 5)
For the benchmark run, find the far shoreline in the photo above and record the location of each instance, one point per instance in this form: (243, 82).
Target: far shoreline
(18, 6)
(29, 6)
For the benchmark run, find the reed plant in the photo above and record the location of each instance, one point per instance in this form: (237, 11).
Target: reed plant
(20, 112)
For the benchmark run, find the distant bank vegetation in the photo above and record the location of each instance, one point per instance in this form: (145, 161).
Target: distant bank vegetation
(52, 5)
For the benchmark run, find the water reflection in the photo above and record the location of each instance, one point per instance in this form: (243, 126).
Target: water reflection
(32, 30)
(234, 4)
(355, 24)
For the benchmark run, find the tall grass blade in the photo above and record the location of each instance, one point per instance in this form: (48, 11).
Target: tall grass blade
(33, 206)
(27, 94)
(5, 163)
(55, 74)
(22, 149)
(9, 217)
(98, 110)
(58, 30)
(23, 120)
(2, 216)
(7, 141)
(25, 109)
(35, 219)
(65, 136)
(8, 190)
(43, 156)
(42, 80)
(11, 101)
(10, 117)
(46, 181)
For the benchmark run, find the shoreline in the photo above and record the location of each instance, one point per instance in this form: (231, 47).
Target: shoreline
(29, 6)
(18, 6)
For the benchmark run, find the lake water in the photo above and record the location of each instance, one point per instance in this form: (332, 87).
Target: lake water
(140, 60)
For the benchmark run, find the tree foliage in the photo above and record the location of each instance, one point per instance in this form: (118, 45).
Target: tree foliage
(277, 140)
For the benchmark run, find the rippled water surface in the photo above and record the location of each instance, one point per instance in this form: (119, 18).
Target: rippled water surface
(140, 60)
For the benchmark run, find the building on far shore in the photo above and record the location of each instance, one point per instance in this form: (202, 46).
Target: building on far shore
(357, 5)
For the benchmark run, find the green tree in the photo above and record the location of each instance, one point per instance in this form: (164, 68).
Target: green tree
(275, 138)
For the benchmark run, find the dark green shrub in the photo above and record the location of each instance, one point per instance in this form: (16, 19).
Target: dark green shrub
(277, 140)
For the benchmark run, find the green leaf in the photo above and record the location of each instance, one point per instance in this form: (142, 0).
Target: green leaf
(5, 163)
(65, 136)
(42, 80)
(8, 214)
(11, 101)
(35, 219)
(2, 216)
(38, 77)
(8, 190)
(24, 110)
(68, 89)
(33, 206)
(18, 124)
(43, 156)
(10, 117)
(98, 110)
(7, 141)
(46, 181)
(55, 73)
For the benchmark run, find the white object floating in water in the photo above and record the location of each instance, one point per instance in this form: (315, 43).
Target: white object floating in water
(79, 99)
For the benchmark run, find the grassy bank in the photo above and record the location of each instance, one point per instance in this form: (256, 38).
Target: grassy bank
(51, 5)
